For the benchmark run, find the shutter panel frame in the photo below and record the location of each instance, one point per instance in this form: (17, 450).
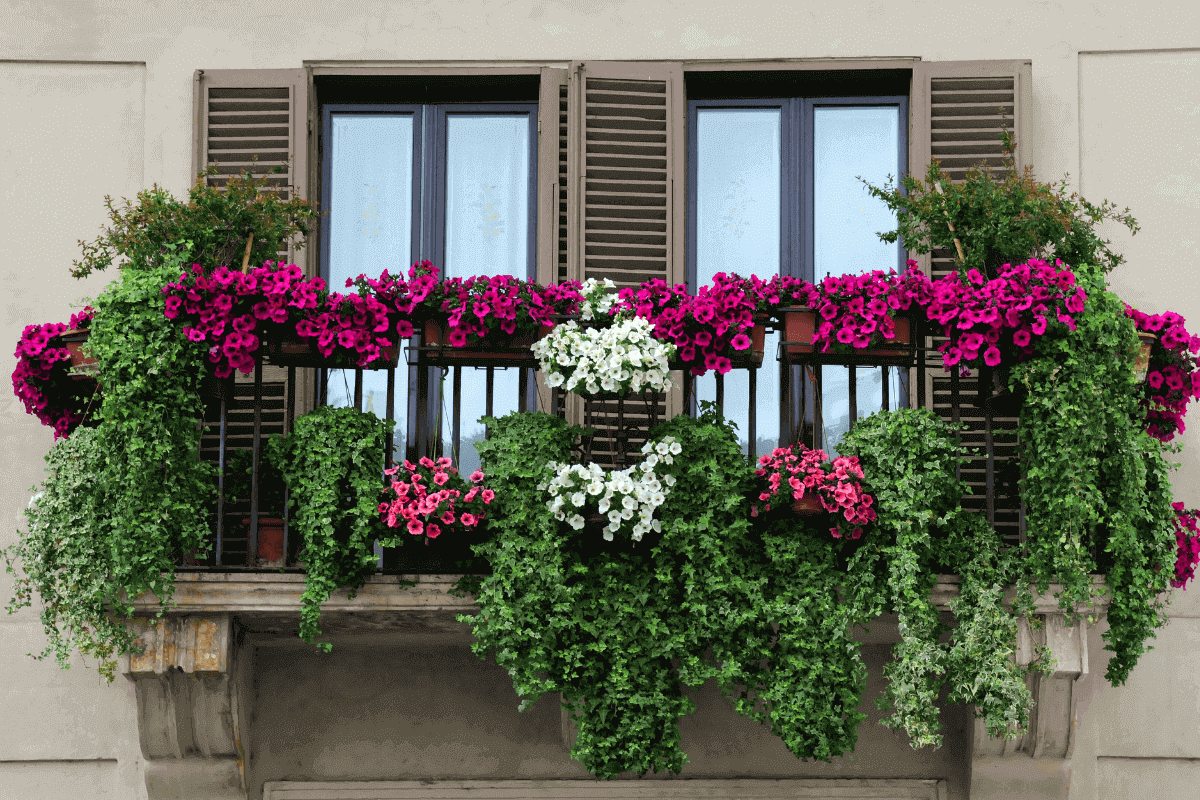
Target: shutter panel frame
(242, 102)
(550, 157)
(942, 126)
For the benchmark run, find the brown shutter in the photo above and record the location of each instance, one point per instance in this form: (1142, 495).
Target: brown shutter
(622, 200)
(958, 110)
(252, 119)
(552, 175)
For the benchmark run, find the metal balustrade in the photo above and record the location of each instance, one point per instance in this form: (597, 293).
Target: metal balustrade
(241, 414)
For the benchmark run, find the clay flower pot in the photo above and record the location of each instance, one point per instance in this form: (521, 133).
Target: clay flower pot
(799, 325)
(1141, 362)
(808, 505)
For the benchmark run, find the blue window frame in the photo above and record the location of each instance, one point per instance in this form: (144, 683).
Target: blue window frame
(453, 183)
(771, 190)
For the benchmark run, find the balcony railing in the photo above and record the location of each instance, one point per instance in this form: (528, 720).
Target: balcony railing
(241, 414)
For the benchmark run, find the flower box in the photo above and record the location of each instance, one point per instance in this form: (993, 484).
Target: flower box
(799, 325)
(808, 505)
(750, 358)
(82, 366)
(497, 350)
(291, 350)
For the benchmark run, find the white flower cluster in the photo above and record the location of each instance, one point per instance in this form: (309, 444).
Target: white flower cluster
(621, 358)
(597, 300)
(631, 495)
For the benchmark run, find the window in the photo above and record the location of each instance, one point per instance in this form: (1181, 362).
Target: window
(453, 183)
(772, 188)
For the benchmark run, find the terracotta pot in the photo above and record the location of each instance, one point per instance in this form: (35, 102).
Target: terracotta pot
(799, 325)
(1141, 362)
(808, 505)
(82, 366)
(750, 357)
(502, 351)
(293, 351)
(270, 539)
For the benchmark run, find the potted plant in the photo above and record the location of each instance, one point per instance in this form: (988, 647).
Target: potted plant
(45, 378)
(862, 319)
(611, 361)
(812, 483)
(271, 493)
(1171, 375)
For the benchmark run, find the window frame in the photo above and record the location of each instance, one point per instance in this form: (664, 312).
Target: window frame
(797, 235)
(428, 229)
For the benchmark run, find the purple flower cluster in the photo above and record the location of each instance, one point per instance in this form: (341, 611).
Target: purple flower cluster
(42, 378)
(989, 318)
(1173, 379)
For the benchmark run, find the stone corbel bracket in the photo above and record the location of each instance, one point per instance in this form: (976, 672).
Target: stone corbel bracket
(188, 707)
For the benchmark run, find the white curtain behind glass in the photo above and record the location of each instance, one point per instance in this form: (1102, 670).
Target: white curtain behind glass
(737, 231)
(370, 225)
(851, 141)
(487, 230)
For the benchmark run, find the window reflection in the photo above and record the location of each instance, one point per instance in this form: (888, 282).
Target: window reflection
(850, 141)
(738, 190)
(487, 233)
(370, 225)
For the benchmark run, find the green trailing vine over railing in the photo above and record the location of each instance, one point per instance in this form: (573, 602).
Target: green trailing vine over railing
(124, 501)
(1096, 485)
(333, 465)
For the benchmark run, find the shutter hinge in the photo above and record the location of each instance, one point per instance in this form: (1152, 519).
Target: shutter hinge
(539, 125)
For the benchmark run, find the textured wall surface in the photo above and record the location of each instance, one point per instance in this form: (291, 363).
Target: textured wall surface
(98, 100)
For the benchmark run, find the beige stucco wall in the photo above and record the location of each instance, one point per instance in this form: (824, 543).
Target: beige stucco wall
(98, 100)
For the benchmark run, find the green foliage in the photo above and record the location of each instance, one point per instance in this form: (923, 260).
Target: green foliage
(125, 501)
(909, 458)
(999, 221)
(333, 465)
(1095, 483)
(217, 223)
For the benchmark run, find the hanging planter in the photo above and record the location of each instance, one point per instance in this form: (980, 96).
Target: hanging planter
(800, 324)
(83, 366)
(495, 350)
(809, 505)
(1141, 362)
(292, 350)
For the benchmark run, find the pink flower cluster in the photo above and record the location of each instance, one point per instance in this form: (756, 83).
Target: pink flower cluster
(709, 327)
(432, 498)
(1187, 537)
(1173, 379)
(858, 311)
(42, 378)
(482, 304)
(789, 473)
(988, 319)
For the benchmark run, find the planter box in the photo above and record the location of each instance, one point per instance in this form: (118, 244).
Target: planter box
(293, 351)
(499, 350)
(83, 367)
(799, 325)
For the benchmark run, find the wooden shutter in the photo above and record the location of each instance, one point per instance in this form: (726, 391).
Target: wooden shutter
(552, 174)
(958, 110)
(623, 197)
(251, 119)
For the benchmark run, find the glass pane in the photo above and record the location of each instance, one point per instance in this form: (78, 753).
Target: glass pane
(487, 233)
(850, 141)
(370, 224)
(737, 230)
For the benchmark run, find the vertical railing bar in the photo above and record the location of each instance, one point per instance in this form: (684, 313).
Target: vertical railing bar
(818, 409)
(226, 387)
(358, 388)
(885, 402)
(622, 435)
(488, 395)
(456, 418)
(289, 416)
(523, 389)
(391, 415)
(751, 425)
(786, 417)
(322, 387)
(289, 420)
(721, 394)
(955, 415)
(990, 496)
(852, 383)
(252, 543)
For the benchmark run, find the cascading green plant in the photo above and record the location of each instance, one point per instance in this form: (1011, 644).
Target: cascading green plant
(333, 465)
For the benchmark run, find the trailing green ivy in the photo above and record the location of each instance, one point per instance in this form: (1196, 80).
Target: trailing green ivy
(1095, 485)
(333, 465)
(909, 459)
(123, 502)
